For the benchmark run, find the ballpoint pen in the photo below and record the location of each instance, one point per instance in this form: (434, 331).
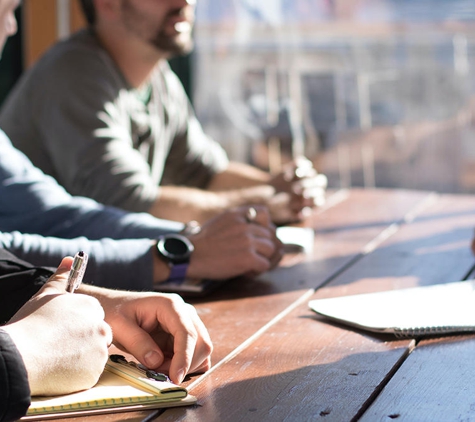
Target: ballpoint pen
(76, 273)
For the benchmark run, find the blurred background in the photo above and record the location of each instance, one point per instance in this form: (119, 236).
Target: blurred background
(377, 93)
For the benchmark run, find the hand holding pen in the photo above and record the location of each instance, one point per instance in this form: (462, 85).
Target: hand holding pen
(76, 273)
(62, 323)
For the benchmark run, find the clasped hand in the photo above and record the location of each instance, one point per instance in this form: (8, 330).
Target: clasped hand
(299, 187)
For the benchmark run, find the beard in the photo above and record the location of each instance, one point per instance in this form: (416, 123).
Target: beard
(177, 45)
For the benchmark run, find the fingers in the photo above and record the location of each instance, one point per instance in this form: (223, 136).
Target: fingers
(138, 342)
(311, 189)
(57, 283)
(306, 193)
(163, 333)
(261, 227)
(268, 249)
(237, 242)
(250, 215)
(264, 240)
(256, 214)
(309, 198)
(71, 353)
(64, 267)
(300, 176)
(192, 347)
(299, 189)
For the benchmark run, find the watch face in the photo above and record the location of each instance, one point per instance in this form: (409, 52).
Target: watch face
(175, 248)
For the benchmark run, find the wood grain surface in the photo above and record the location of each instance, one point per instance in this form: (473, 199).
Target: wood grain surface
(276, 360)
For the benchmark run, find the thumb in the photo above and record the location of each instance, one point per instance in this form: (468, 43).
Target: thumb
(139, 343)
(58, 280)
(64, 267)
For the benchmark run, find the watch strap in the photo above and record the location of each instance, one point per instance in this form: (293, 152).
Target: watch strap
(178, 271)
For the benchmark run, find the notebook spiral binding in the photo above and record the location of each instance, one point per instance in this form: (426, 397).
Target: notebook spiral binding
(428, 331)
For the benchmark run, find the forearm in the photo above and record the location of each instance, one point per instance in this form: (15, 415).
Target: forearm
(239, 175)
(184, 204)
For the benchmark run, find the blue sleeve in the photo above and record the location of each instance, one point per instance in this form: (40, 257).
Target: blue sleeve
(121, 264)
(32, 202)
(60, 224)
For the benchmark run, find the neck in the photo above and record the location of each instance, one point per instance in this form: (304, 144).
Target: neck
(133, 57)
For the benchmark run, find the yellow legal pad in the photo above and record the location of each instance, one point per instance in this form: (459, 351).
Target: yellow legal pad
(119, 389)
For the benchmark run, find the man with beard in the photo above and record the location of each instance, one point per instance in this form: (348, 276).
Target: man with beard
(103, 113)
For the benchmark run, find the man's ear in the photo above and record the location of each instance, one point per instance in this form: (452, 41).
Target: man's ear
(107, 9)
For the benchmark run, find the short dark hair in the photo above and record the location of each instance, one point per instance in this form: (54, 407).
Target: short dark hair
(89, 11)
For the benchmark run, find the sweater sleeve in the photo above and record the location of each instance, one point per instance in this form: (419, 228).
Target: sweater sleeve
(14, 388)
(194, 158)
(60, 224)
(121, 264)
(34, 203)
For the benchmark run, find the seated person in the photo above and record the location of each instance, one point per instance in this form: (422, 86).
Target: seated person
(72, 333)
(40, 222)
(103, 113)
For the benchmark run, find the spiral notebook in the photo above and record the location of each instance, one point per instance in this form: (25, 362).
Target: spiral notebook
(123, 386)
(418, 311)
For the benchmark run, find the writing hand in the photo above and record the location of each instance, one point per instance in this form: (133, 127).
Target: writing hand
(62, 337)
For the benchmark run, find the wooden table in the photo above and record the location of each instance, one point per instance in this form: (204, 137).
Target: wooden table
(275, 360)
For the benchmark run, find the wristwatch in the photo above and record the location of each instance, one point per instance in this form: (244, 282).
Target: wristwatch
(176, 251)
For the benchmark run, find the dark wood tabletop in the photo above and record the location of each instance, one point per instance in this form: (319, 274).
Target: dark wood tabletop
(276, 360)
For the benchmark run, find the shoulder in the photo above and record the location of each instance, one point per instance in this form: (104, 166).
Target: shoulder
(78, 58)
(77, 47)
